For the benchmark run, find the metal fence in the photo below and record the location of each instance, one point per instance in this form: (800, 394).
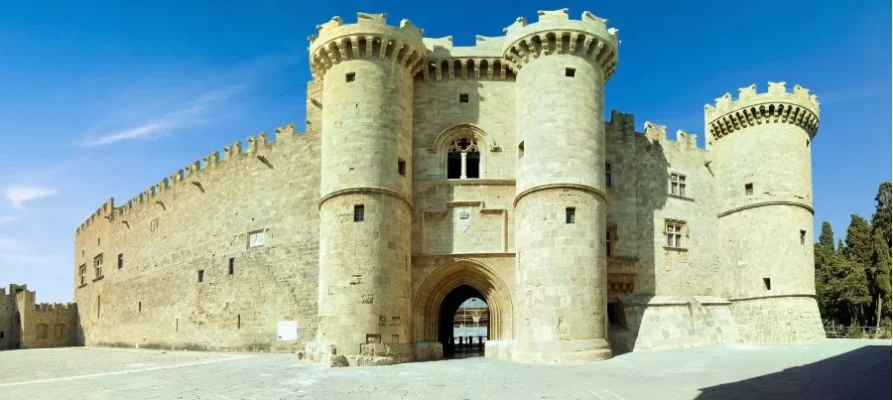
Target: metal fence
(856, 332)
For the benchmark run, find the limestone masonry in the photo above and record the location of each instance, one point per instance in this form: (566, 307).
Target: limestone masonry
(431, 173)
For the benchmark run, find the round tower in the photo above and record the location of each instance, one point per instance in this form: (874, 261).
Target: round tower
(366, 70)
(761, 143)
(560, 202)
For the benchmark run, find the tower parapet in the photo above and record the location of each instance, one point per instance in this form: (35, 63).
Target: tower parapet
(777, 105)
(556, 33)
(370, 37)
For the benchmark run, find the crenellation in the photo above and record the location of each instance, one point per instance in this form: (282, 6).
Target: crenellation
(488, 169)
(776, 105)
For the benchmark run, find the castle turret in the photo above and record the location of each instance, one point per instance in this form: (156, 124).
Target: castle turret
(761, 143)
(367, 73)
(560, 203)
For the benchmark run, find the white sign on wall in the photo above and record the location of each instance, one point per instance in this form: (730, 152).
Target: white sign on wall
(288, 330)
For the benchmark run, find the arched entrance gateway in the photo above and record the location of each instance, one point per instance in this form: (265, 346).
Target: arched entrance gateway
(440, 296)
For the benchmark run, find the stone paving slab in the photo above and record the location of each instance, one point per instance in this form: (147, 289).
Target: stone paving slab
(831, 369)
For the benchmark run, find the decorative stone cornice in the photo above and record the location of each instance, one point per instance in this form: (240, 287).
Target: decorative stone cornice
(555, 33)
(751, 108)
(476, 68)
(370, 37)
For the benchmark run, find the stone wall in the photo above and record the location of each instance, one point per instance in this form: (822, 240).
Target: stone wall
(27, 325)
(198, 225)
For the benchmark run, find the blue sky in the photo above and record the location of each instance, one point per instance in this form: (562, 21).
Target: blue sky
(102, 100)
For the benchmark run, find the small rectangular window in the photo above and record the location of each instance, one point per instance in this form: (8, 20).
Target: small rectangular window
(463, 98)
(767, 284)
(256, 239)
(1, 334)
(238, 321)
(97, 266)
(401, 167)
(748, 189)
(139, 307)
(677, 185)
(674, 234)
(350, 76)
(802, 236)
(570, 215)
(608, 182)
(120, 260)
(153, 225)
(521, 149)
(201, 275)
(359, 212)
(232, 265)
(98, 241)
(82, 272)
(570, 72)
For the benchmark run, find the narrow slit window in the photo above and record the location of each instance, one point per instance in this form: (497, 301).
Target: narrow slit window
(463, 98)
(139, 307)
(401, 167)
(359, 213)
(521, 149)
(767, 284)
(232, 265)
(238, 321)
(570, 215)
(350, 77)
(610, 240)
(120, 260)
(201, 275)
(570, 72)
(748, 189)
(608, 181)
(802, 236)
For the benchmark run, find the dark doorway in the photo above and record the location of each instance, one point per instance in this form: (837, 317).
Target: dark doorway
(464, 324)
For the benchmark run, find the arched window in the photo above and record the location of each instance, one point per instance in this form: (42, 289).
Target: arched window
(463, 159)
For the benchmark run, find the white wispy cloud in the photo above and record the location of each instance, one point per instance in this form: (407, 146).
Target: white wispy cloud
(19, 195)
(193, 112)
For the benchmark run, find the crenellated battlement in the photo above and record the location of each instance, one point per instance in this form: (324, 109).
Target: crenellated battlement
(776, 105)
(370, 37)
(195, 169)
(56, 307)
(658, 133)
(555, 33)
(478, 62)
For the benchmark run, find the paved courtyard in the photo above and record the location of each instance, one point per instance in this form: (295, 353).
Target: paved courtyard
(833, 369)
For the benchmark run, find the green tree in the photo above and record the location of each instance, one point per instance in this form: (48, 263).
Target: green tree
(881, 220)
(825, 275)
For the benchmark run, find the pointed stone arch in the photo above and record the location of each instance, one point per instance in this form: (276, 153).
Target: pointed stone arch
(447, 136)
(451, 275)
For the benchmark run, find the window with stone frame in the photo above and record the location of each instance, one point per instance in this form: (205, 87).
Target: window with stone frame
(608, 181)
(674, 231)
(97, 266)
(256, 238)
(82, 273)
(463, 159)
(677, 185)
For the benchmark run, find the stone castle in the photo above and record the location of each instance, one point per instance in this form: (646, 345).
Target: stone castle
(26, 324)
(431, 173)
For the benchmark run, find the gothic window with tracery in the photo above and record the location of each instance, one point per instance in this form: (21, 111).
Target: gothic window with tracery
(463, 159)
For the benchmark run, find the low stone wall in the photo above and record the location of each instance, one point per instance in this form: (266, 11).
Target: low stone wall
(662, 322)
(785, 319)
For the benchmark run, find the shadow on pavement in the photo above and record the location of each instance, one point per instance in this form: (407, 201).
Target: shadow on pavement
(863, 373)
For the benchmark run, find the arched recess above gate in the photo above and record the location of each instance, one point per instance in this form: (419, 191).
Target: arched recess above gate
(427, 302)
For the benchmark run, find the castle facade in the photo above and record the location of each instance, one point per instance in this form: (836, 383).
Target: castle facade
(431, 173)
